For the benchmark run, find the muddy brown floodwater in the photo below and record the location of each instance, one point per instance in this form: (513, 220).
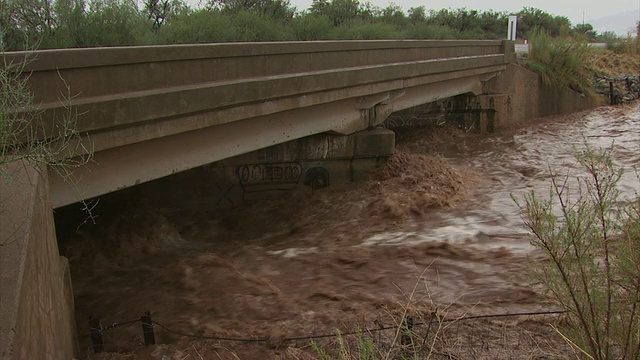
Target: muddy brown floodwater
(434, 232)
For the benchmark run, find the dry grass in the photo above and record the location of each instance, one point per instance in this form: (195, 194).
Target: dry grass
(609, 63)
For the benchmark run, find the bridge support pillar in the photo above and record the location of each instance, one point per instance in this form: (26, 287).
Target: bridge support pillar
(479, 113)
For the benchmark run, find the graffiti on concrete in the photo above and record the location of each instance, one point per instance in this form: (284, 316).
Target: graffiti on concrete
(224, 194)
(276, 175)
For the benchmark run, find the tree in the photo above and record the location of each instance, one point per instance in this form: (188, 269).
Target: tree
(493, 24)
(28, 21)
(417, 14)
(393, 15)
(111, 23)
(585, 31)
(368, 11)
(71, 25)
(341, 11)
(311, 27)
(319, 7)
(280, 10)
(531, 18)
(200, 26)
(157, 11)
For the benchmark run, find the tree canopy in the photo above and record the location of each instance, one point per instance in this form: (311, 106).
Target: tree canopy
(85, 23)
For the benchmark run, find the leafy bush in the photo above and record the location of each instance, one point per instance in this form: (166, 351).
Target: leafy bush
(255, 27)
(365, 30)
(311, 27)
(435, 32)
(592, 242)
(559, 61)
(210, 26)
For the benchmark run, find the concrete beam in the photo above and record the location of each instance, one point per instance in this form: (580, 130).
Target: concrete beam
(370, 94)
(129, 108)
(121, 167)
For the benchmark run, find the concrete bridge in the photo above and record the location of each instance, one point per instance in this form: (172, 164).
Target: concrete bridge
(148, 112)
(151, 111)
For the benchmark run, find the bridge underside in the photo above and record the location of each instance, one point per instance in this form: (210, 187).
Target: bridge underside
(149, 153)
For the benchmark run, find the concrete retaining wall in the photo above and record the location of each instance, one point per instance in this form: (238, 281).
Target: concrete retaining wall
(529, 98)
(36, 303)
(515, 95)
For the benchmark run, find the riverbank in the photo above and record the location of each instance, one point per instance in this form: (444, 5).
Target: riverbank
(626, 87)
(622, 69)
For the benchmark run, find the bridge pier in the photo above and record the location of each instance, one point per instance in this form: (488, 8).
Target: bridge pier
(481, 114)
(315, 161)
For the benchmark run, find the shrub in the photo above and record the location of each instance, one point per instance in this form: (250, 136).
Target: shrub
(202, 26)
(563, 62)
(255, 27)
(591, 238)
(311, 27)
(365, 30)
(23, 136)
(430, 31)
(105, 23)
(211, 26)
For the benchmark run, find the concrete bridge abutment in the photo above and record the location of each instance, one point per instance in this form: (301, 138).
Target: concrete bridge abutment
(516, 95)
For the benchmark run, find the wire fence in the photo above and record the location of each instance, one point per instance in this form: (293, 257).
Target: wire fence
(407, 326)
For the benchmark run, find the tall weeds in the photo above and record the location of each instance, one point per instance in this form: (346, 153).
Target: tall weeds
(591, 237)
(560, 61)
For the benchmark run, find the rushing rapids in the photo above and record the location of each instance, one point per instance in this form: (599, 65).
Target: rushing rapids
(434, 231)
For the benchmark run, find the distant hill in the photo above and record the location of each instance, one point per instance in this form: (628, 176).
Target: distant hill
(620, 23)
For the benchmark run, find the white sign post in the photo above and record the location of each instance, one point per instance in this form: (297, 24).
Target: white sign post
(513, 26)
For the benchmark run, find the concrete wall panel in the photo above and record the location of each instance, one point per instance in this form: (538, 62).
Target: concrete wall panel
(529, 98)
(36, 304)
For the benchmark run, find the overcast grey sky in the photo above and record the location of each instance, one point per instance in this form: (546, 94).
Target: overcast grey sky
(573, 9)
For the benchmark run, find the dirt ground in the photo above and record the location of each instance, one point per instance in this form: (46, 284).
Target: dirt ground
(308, 264)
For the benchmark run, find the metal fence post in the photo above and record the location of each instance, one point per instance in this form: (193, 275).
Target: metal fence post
(612, 100)
(407, 331)
(147, 329)
(96, 335)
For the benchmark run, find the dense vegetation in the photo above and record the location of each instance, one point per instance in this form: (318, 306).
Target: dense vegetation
(80, 23)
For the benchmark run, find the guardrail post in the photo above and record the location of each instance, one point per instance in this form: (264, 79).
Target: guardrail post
(147, 329)
(96, 335)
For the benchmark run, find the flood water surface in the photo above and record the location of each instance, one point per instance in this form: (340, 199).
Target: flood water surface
(436, 229)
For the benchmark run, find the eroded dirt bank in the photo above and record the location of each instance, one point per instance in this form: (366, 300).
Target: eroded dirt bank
(434, 232)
